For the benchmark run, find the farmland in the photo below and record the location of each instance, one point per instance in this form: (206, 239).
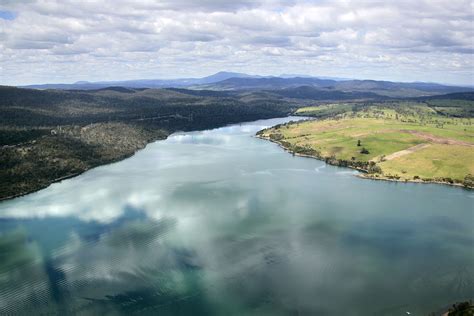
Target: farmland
(403, 141)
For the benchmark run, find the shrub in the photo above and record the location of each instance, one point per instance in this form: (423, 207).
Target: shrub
(373, 168)
(462, 308)
(364, 151)
(276, 136)
(468, 181)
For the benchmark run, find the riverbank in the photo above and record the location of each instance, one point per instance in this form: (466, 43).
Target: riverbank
(67, 152)
(364, 173)
(49, 135)
(400, 142)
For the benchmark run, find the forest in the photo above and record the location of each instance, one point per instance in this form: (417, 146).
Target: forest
(48, 135)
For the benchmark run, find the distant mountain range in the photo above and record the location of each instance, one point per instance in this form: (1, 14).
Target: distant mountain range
(382, 88)
(233, 81)
(144, 83)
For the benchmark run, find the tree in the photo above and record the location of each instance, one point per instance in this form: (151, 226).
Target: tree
(469, 181)
(373, 168)
(358, 143)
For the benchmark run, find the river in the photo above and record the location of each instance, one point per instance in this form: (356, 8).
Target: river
(219, 222)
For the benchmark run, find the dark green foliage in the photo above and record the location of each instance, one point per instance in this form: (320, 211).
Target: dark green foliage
(364, 151)
(469, 96)
(53, 134)
(276, 136)
(172, 109)
(469, 181)
(305, 150)
(461, 309)
(373, 168)
(452, 104)
(12, 137)
(312, 93)
(325, 111)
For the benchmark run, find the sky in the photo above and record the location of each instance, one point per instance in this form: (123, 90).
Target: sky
(63, 41)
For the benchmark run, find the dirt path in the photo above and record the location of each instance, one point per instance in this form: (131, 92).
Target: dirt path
(437, 139)
(406, 151)
(428, 137)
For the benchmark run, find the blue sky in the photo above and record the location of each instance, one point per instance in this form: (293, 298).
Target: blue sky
(66, 41)
(7, 15)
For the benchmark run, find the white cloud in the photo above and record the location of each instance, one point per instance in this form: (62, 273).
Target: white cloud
(64, 41)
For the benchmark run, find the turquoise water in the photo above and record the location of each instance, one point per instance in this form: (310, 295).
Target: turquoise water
(219, 222)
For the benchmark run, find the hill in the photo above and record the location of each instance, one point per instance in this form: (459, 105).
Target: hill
(48, 135)
(233, 81)
(313, 93)
(267, 83)
(402, 141)
(381, 88)
(144, 83)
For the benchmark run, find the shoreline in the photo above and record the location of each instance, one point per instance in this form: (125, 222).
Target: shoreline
(118, 159)
(44, 187)
(364, 173)
(57, 180)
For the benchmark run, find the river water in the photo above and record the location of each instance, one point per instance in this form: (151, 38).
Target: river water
(219, 222)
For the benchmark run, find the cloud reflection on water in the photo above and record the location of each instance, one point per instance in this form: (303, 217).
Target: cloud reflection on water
(217, 222)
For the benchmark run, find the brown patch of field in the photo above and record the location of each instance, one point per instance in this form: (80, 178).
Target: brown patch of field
(406, 151)
(331, 126)
(335, 150)
(382, 131)
(437, 139)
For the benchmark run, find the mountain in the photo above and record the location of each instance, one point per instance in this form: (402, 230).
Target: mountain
(398, 89)
(313, 93)
(467, 96)
(266, 83)
(224, 75)
(308, 76)
(144, 83)
(234, 81)
(381, 88)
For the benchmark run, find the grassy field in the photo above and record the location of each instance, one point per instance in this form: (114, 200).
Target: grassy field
(325, 110)
(403, 141)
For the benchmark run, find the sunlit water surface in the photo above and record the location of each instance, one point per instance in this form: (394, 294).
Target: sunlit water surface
(219, 222)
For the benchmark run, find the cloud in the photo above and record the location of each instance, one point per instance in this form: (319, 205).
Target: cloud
(122, 39)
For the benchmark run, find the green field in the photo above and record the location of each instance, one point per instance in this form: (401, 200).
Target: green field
(403, 141)
(325, 110)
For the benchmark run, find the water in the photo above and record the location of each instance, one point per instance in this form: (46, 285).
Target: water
(221, 223)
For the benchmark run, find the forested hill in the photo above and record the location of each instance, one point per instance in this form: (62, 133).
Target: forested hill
(28, 107)
(231, 81)
(46, 135)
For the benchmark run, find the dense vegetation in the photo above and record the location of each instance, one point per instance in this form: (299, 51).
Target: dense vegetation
(46, 135)
(461, 309)
(310, 87)
(313, 88)
(29, 108)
